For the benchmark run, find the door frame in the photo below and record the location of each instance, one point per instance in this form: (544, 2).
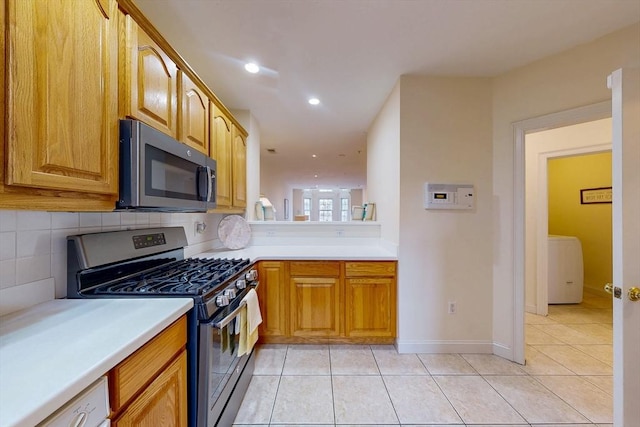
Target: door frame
(600, 110)
(542, 217)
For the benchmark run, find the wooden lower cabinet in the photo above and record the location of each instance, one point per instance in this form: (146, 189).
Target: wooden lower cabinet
(163, 402)
(370, 294)
(273, 297)
(328, 301)
(315, 306)
(371, 307)
(149, 388)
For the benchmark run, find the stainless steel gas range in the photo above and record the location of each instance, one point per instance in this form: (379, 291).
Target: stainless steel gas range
(150, 263)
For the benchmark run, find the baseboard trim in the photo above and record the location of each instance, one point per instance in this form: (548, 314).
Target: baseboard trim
(503, 351)
(444, 346)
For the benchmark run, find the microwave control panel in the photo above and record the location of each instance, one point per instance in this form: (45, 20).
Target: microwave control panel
(449, 196)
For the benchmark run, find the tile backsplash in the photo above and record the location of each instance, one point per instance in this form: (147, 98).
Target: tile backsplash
(33, 249)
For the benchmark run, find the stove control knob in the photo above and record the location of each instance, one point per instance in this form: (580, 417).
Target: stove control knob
(222, 300)
(241, 283)
(230, 293)
(251, 275)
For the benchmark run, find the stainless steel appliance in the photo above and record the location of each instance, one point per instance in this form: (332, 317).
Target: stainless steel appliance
(150, 263)
(158, 173)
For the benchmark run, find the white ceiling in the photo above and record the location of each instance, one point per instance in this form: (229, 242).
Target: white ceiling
(350, 54)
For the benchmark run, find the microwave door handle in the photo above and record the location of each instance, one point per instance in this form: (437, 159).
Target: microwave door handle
(210, 189)
(202, 183)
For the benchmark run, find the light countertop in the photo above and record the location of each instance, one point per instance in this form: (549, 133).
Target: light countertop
(305, 252)
(52, 351)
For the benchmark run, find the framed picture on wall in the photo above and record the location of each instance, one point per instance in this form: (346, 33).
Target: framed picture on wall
(595, 195)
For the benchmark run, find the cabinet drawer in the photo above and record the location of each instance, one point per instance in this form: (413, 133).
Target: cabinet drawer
(364, 269)
(136, 371)
(314, 268)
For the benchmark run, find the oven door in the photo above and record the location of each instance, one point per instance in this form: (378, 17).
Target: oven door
(159, 173)
(223, 376)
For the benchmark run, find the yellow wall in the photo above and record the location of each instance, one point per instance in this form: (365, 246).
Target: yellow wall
(591, 223)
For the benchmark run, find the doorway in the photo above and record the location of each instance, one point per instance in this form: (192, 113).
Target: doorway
(589, 113)
(572, 341)
(570, 148)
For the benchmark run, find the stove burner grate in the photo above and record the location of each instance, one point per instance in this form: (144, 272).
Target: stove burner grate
(192, 277)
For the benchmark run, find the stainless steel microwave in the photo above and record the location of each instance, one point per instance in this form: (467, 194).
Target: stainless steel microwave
(159, 173)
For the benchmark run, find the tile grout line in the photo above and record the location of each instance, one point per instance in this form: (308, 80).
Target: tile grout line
(581, 377)
(442, 391)
(384, 384)
(333, 394)
(275, 399)
(559, 397)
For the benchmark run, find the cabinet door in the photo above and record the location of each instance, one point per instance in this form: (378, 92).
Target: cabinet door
(272, 294)
(239, 169)
(315, 306)
(194, 118)
(163, 402)
(370, 307)
(149, 86)
(62, 71)
(220, 150)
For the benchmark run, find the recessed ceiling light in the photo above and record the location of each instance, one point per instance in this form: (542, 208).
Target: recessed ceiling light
(314, 156)
(252, 67)
(314, 101)
(315, 176)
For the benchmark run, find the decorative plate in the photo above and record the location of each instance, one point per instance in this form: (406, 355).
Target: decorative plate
(234, 232)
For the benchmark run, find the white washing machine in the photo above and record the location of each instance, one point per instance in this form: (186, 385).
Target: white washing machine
(565, 270)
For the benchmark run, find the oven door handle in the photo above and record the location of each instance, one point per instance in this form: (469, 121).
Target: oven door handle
(228, 318)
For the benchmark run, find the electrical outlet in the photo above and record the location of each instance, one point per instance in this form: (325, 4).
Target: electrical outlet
(340, 233)
(452, 307)
(199, 227)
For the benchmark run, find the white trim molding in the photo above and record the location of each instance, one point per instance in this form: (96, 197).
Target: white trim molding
(574, 116)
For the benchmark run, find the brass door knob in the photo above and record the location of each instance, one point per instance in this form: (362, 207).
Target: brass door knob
(608, 288)
(634, 294)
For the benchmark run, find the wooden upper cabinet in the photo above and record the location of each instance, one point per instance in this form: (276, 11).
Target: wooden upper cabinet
(193, 124)
(220, 150)
(239, 169)
(61, 107)
(148, 80)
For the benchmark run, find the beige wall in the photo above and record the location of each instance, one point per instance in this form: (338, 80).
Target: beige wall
(445, 136)
(252, 126)
(273, 187)
(591, 223)
(560, 82)
(383, 166)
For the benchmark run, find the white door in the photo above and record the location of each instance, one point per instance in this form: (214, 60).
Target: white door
(625, 87)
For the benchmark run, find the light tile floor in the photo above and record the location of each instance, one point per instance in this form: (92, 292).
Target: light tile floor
(567, 380)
